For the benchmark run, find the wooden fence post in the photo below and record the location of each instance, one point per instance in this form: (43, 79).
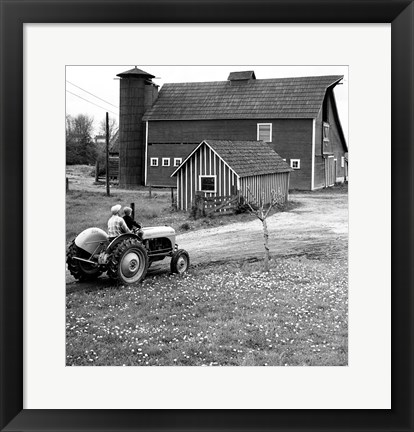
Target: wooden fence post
(108, 192)
(96, 171)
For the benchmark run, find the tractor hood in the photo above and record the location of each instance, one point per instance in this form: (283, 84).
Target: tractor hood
(157, 232)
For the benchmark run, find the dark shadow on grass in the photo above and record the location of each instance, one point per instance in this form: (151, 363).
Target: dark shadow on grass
(103, 282)
(90, 286)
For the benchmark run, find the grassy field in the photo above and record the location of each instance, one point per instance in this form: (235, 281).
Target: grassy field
(86, 209)
(229, 314)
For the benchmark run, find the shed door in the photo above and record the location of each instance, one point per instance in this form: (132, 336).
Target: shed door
(329, 171)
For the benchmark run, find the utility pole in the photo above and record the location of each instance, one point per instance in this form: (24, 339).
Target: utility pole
(108, 192)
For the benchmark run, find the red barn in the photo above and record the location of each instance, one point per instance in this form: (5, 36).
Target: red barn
(296, 116)
(221, 168)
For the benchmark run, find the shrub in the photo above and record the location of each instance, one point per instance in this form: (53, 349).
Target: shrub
(185, 226)
(243, 207)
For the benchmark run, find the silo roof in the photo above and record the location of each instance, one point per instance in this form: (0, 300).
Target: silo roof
(135, 72)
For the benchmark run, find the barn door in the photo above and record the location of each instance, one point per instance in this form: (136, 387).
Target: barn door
(329, 171)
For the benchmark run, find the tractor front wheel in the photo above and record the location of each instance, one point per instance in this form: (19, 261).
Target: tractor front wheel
(128, 262)
(180, 261)
(81, 270)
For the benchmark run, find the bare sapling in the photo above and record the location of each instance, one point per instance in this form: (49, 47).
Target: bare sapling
(261, 211)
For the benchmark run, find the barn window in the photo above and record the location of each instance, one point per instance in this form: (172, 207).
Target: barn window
(326, 131)
(177, 161)
(264, 132)
(207, 183)
(342, 161)
(154, 161)
(295, 163)
(165, 161)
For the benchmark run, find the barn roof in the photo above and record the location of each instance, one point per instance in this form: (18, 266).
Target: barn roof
(251, 99)
(245, 158)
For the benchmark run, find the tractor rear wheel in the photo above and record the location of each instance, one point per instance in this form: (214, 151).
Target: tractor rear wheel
(128, 262)
(81, 270)
(180, 261)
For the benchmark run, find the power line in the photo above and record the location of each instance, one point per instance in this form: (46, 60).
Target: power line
(86, 91)
(93, 103)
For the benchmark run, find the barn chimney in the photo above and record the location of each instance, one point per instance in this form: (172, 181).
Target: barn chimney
(137, 94)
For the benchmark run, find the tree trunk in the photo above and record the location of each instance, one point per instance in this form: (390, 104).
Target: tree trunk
(266, 245)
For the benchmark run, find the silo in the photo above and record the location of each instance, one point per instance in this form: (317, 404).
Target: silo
(137, 94)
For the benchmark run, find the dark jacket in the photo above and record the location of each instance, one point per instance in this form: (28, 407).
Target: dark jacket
(131, 223)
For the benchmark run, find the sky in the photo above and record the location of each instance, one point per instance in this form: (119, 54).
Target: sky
(94, 90)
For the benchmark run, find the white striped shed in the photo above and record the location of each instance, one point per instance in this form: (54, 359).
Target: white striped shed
(218, 168)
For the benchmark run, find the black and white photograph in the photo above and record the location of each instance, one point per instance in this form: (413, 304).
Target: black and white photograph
(179, 194)
(206, 215)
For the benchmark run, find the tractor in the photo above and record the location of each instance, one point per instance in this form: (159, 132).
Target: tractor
(126, 258)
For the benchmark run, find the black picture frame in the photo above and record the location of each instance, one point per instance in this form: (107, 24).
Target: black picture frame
(13, 15)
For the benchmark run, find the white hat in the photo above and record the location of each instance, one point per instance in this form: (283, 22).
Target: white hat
(115, 209)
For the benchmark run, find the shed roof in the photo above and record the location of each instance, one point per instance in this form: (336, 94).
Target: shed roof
(245, 158)
(256, 99)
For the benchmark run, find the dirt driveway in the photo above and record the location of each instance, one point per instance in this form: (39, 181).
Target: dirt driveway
(318, 227)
